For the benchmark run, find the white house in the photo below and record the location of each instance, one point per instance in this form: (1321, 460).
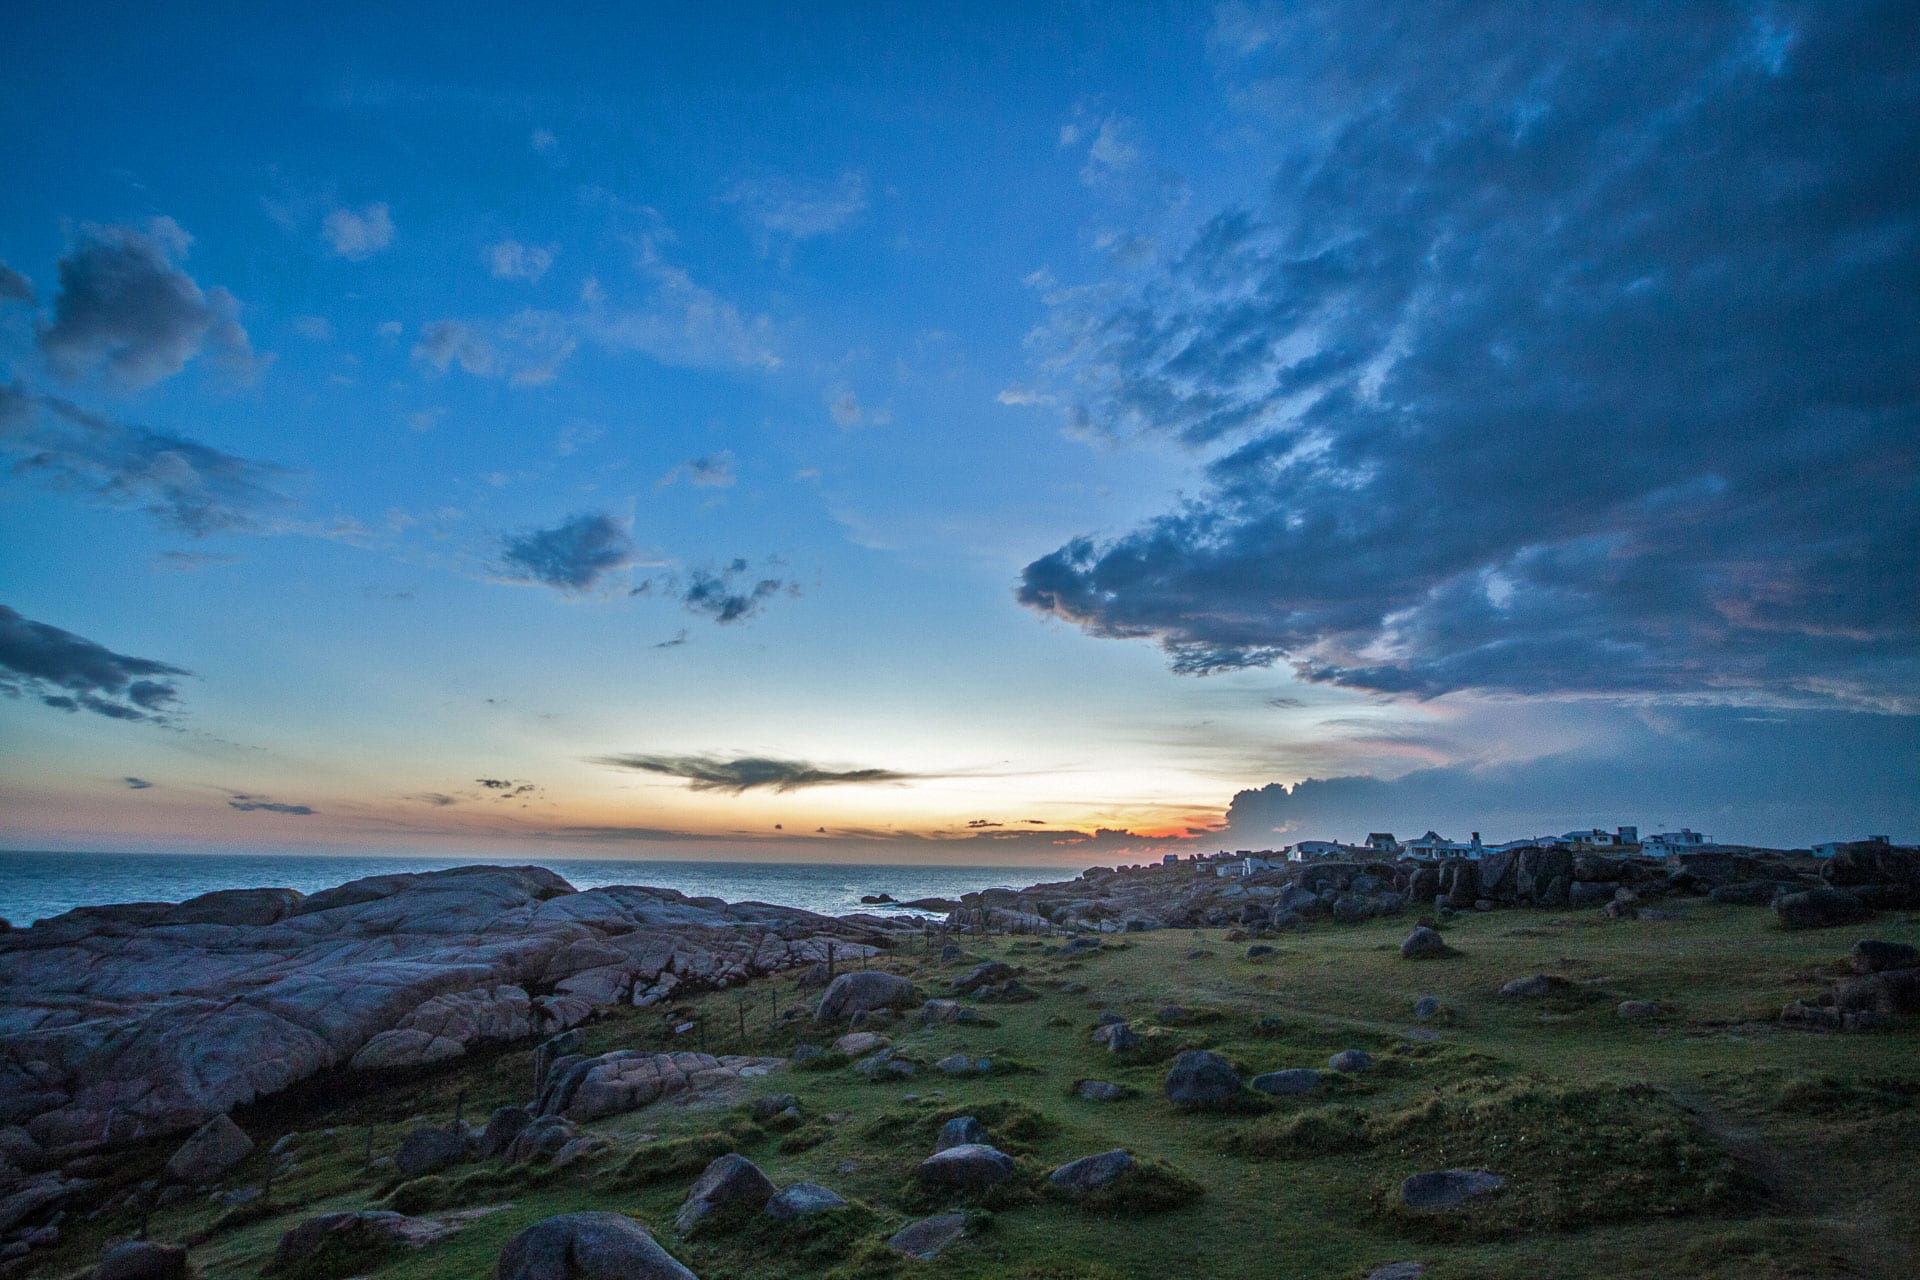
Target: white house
(1245, 865)
(1831, 847)
(1666, 843)
(1307, 850)
(1383, 843)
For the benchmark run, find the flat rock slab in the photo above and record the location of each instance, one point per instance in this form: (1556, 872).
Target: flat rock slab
(1090, 1173)
(926, 1238)
(803, 1200)
(1448, 1188)
(1288, 1083)
(628, 1079)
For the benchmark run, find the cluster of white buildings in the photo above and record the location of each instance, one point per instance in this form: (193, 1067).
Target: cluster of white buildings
(1433, 846)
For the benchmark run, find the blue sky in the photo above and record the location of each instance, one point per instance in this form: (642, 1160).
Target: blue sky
(827, 434)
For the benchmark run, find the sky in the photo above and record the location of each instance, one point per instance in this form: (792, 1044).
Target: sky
(974, 433)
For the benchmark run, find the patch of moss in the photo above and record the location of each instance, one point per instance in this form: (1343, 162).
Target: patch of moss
(1829, 1095)
(673, 1158)
(1323, 1131)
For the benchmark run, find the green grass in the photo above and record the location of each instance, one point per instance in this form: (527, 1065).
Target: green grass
(1708, 1143)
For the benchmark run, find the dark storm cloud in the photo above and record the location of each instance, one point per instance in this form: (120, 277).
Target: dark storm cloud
(38, 660)
(1569, 351)
(1737, 776)
(571, 556)
(183, 484)
(124, 304)
(749, 773)
(249, 804)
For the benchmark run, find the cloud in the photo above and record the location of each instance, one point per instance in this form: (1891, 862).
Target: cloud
(1533, 373)
(1737, 776)
(250, 804)
(572, 556)
(136, 784)
(526, 349)
(749, 773)
(15, 287)
(543, 140)
(183, 484)
(124, 304)
(847, 411)
(511, 260)
(728, 594)
(357, 236)
(190, 561)
(715, 471)
(680, 322)
(39, 660)
(507, 788)
(679, 638)
(313, 328)
(436, 799)
(797, 209)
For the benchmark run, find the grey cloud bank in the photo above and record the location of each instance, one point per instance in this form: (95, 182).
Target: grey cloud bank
(1585, 367)
(71, 673)
(748, 773)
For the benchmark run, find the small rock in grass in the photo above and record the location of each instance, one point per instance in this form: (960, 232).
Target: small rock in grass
(803, 1200)
(773, 1104)
(924, 1239)
(1423, 944)
(1118, 1037)
(1540, 984)
(971, 1166)
(1090, 1173)
(1288, 1083)
(1398, 1271)
(427, 1151)
(1425, 1007)
(1258, 950)
(1351, 1061)
(855, 1043)
(1447, 1188)
(958, 1064)
(1098, 1091)
(143, 1260)
(731, 1188)
(1202, 1078)
(1870, 955)
(1633, 1009)
(959, 1132)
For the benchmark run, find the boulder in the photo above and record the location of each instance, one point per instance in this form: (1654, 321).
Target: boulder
(1351, 1061)
(628, 1079)
(923, 1240)
(960, 1064)
(341, 1244)
(856, 1043)
(542, 1140)
(215, 1147)
(1890, 991)
(1745, 893)
(1098, 1091)
(1090, 1173)
(1542, 875)
(1819, 909)
(960, 1131)
(948, 1012)
(967, 1168)
(1448, 1188)
(772, 1105)
(857, 992)
(1869, 955)
(1288, 1083)
(587, 1246)
(1201, 1078)
(1425, 1007)
(1531, 988)
(1118, 1037)
(985, 974)
(1867, 862)
(428, 1150)
(143, 1260)
(803, 1200)
(1582, 894)
(503, 1126)
(730, 1190)
(1423, 944)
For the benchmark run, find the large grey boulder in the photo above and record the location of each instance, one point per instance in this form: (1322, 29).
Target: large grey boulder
(503, 1126)
(143, 1260)
(349, 1239)
(1819, 909)
(215, 1147)
(428, 1150)
(628, 1079)
(1448, 1188)
(730, 1190)
(1090, 1173)
(967, 1168)
(1200, 1079)
(403, 1048)
(858, 992)
(1423, 944)
(587, 1246)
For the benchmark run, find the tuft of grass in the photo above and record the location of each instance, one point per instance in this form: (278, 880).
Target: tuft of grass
(1323, 1131)
(673, 1158)
(1827, 1095)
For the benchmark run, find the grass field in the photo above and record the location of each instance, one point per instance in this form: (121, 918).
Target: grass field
(1707, 1141)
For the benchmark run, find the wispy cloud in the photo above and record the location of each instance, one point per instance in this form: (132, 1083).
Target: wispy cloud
(750, 773)
(260, 804)
(792, 209)
(512, 260)
(714, 471)
(181, 483)
(358, 234)
(527, 349)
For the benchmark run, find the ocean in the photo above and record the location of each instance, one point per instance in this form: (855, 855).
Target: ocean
(34, 886)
